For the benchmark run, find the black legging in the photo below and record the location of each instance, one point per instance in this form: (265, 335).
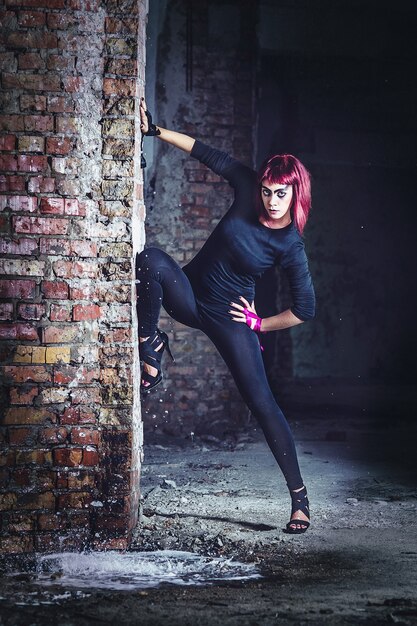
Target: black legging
(161, 281)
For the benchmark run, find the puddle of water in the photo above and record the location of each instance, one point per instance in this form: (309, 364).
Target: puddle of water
(135, 570)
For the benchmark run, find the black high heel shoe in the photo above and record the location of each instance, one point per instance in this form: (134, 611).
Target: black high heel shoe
(152, 356)
(299, 503)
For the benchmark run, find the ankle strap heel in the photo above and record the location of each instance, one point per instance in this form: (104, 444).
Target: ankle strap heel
(300, 504)
(151, 352)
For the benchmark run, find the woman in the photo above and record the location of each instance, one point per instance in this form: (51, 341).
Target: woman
(215, 291)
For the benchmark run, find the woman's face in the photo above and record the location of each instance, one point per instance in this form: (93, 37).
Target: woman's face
(277, 200)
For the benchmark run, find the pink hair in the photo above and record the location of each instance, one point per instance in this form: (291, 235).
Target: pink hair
(286, 169)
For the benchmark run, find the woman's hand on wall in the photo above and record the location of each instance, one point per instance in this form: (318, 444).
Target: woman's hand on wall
(143, 117)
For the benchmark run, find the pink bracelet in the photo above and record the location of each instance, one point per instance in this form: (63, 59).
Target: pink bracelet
(252, 316)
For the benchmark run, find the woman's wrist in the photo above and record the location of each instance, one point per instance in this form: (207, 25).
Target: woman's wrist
(253, 320)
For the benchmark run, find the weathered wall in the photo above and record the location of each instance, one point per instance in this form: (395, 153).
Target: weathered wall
(185, 200)
(71, 220)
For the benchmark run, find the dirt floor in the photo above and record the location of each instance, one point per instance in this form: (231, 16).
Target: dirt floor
(357, 564)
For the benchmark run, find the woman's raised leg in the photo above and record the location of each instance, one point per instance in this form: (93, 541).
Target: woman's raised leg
(160, 281)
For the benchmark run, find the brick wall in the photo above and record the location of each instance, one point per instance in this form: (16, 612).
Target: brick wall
(185, 200)
(71, 219)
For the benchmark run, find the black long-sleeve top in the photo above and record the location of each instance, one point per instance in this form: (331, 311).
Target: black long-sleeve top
(240, 248)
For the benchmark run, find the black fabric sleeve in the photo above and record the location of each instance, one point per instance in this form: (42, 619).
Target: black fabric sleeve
(295, 264)
(222, 163)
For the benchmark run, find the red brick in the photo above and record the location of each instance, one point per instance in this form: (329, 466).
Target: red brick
(83, 479)
(17, 288)
(65, 374)
(59, 104)
(18, 523)
(70, 415)
(75, 269)
(118, 335)
(116, 25)
(77, 415)
(53, 435)
(121, 67)
(68, 457)
(40, 4)
(86, 436)
(11, 122)
(111, 376)
(51, 521)
(20, 477)
(60, 313)
(90, 456)
(85, 5)
(39, 123)
(59, 542)
(22, 267)
(31, 143)
(58, 145)
(19, 203)
(119, 87)
(27, 373)
(30, 163)
(73, 207)
(78, 500)
(67, 125)
(52, 206)
(30, 311)
(84, 292)
(86, 312)
(7, 142)
(40, 225)
(60, 21)
(33, 502)
(19, 246)
(6, 311)
(35, 82)
(8, 459)
(21, 436)
(4, 224)
(30, 61)
(55, 246)
(45, 478)
(40, 184)
(23, 332)
(8, 163)
(72, 84)
(72, 43)
(68, 187)
(110, 522)
(32, 103)
(55, 290)
(82, 248)
(37, 39)
(31, 19)
(22, 395)
(16, 544)
(28, 415)
(12, 183)
(61, 334)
